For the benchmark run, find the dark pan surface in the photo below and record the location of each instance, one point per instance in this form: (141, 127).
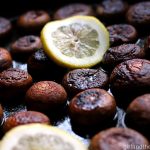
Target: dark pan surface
(60, 120)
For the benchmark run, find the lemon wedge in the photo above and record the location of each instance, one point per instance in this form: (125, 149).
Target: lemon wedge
(39, 137)
(75, 42)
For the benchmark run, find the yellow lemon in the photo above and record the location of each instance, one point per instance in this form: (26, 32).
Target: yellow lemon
(39, 137)
(75, 42)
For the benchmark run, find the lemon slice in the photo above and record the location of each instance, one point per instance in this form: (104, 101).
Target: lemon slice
(39, 137)
(75, 42)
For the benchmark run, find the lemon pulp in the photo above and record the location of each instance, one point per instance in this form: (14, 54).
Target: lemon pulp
(42, 142)
(76, 40)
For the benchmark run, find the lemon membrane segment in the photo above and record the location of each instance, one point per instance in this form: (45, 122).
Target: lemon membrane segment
(76, 40)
